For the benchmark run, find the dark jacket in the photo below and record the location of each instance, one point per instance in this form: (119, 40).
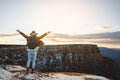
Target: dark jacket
(38, 37)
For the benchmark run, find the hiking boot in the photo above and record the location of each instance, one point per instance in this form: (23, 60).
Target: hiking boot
(33, 71)
(27, 71)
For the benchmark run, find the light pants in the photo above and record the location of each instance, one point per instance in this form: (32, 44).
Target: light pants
(31, 58)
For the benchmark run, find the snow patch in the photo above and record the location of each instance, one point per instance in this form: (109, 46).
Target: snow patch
(31, 76)
(5, 75)
(60, 76)
(14, 68)
(67, 77)
(95, 77)
(82, 77)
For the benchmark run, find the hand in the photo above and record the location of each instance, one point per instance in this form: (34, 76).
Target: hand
(18, 30)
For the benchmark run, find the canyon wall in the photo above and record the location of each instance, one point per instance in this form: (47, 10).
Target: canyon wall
(83, 58)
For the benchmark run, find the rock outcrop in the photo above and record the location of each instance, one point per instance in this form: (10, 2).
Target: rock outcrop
(83, 58)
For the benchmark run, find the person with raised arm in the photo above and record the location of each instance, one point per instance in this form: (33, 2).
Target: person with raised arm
(33, 43)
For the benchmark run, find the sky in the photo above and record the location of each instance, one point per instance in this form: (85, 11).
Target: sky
(70, 21)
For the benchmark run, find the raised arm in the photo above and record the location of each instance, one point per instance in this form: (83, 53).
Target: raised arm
(43, 35)
(23, 34)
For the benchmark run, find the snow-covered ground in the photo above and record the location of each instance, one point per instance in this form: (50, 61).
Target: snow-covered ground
(14, 73)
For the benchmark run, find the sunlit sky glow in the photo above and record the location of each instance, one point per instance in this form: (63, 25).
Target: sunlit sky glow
(70, 17)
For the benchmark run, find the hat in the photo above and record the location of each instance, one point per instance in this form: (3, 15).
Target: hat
(33, 33)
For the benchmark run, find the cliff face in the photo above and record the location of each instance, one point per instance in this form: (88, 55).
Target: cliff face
(71, 58)
(67, 57)
(76, 58)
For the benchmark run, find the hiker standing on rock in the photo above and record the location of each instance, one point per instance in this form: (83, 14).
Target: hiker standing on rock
(33, 43)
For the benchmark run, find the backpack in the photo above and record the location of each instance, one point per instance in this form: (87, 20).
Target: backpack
(40, 42)
(32, 42)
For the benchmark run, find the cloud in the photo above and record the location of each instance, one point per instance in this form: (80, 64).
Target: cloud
(106, 41)
(108, 35)
(8, 35)
(107, 38)
(107, 27)
(112, 38)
